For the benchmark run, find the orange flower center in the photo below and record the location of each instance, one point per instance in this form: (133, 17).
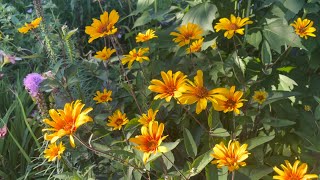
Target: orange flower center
(294, 177)
(119, 121)
(233, 26)
(260, 97)
(152, 145)
(188, 35)
(69, 127)
(302, 30)
(104, 97)
(202, 92)
(230, 103)
(170, 90)
(102, 29)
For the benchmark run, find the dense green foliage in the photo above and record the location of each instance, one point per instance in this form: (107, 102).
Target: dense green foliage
(270, 56)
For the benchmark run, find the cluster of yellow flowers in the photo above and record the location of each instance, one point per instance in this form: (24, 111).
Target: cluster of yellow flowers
(65, 122)
(29, 26)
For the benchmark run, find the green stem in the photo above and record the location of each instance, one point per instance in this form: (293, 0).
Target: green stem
(184, 177)
(27, 124)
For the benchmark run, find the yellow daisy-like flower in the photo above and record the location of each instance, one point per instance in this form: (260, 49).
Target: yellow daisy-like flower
(66, 121)
(260, 96)
(307, 108)
(232, 102)
(196, 92)
(146, 118)
(186, 33)
(147, 36)
(117, 120)
(103, 97)
(28, 26)
(135, 56)
(104, 26)
(294, 172)
(150, 139)
(195, 46)
(231, 156)
(54, 151)
(173, 85)
(304, 28)
(232, 26)
(105, 54)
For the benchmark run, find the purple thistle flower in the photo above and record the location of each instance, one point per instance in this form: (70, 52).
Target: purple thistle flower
(32, 83)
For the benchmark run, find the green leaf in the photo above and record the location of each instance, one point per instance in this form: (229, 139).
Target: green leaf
(254, 172)
(254, 38)
(286, 83)
(286, 69)
(259, 140)
(276, 122)
(168, 145)
(266, 56)
(142, 5)
(189, 143)
(279, 33)
(166, 162)
(142, 20)
(202, 14)
(279, 95)
(220, 132)
(132, 123)
(215, 70)
(200, 163)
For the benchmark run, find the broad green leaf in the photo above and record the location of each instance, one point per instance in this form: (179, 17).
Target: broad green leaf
(200, 163)
(142, 5)
(142, 20)
(317, 113)
(211, 172)
(276, 122)
(168, 145)
(202, 14)
(279, 95)
(217, 68)
(132, 123)
(293, 7)
(166, 162)
(254, 38)
(254, 172)
(266, 56)
(220, 132)
(279, 33)
(189, 143)
(259, 140)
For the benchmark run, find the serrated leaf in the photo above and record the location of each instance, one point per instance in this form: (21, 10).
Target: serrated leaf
(189, 143)
(202, 14)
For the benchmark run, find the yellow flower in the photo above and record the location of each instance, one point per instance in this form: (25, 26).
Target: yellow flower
(146, 118)
(232, 26)
(150, 139)
(66, 121)
(146, 37)
(196, 92)
(173, 85)
(231, 156)
(260, 96)
(294, 172)
(53, 151)
(28, 26)
(105, 54)
(186, 33)
(135, 56)
(195, 46)
(103, 97)
(232, 102)
(104, 26)
(304, 28)
(117, 120)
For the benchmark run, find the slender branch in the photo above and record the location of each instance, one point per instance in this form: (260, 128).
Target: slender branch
(124, 162)
(184, 177)
(187, 110)
(113, 41)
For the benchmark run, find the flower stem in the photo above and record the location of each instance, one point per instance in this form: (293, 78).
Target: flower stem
(232, 178)
(184, 177)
